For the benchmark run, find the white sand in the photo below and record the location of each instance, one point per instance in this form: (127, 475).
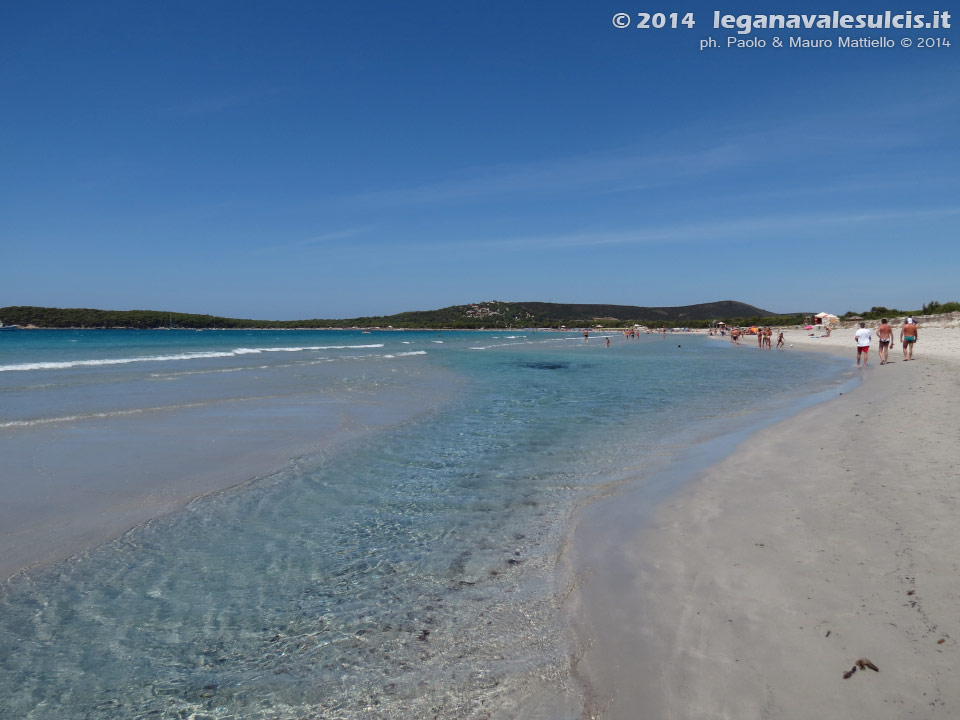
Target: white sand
(826, 538)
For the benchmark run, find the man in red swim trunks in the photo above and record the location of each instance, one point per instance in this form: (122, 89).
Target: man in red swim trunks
(864, 338)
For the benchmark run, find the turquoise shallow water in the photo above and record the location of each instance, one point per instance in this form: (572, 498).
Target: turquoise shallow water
(409, 572)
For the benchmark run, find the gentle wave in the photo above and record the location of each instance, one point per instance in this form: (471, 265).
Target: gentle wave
(89, 416)
(405, 354)
(254, 351)
(66, 364)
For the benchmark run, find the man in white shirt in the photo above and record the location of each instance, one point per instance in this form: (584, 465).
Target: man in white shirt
(864, 337)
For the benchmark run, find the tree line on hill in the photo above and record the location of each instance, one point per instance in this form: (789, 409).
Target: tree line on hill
(489, 315)
(878, 312)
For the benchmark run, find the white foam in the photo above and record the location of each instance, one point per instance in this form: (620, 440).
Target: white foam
(66, 364)
(244, 351)
(111, 361)
(88, 416)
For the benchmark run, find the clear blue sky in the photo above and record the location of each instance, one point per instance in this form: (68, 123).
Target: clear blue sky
(316, 159)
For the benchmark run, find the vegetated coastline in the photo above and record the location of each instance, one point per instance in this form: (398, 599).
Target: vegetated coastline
(476, 316)
(489, 315)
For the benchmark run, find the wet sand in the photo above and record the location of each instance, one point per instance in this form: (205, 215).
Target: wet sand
(821, 540)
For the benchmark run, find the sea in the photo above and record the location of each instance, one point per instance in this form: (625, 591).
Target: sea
(266, 524)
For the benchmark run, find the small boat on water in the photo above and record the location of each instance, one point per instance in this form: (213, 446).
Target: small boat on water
(8, 327)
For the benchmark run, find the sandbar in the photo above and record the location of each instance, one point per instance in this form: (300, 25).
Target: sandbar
(73, 484)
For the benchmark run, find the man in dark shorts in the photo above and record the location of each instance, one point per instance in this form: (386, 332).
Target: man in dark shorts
(885, 335)
(908, 334)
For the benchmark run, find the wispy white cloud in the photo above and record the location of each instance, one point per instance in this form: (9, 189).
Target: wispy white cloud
(699, 153)
(797, 141)
(330, 237)
(220, 102)
(727, 231)
(321, 240)
(603, 172)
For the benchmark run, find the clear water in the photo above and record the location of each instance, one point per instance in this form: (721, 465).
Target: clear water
(408, 572)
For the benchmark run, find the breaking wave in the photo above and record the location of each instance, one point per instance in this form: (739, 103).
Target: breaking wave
(66, 364)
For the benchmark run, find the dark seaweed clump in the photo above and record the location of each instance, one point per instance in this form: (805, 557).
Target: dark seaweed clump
(546, 365)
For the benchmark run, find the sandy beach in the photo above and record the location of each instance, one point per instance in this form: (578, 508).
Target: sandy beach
(820, 541)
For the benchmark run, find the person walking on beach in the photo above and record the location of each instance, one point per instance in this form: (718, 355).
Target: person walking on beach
(908, 334)
(780, 340)
(864, 337)
(885, 335)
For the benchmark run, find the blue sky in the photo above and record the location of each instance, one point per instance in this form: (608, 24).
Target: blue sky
(293, 160)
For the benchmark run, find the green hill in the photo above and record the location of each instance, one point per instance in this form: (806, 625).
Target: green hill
(477, 315)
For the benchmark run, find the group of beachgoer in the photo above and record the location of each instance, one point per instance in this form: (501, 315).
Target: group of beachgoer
(764, 337)
(636, 331)
(863, 336)
(908, 336)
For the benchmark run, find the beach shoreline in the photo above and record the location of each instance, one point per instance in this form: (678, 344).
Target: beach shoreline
(822, 539)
